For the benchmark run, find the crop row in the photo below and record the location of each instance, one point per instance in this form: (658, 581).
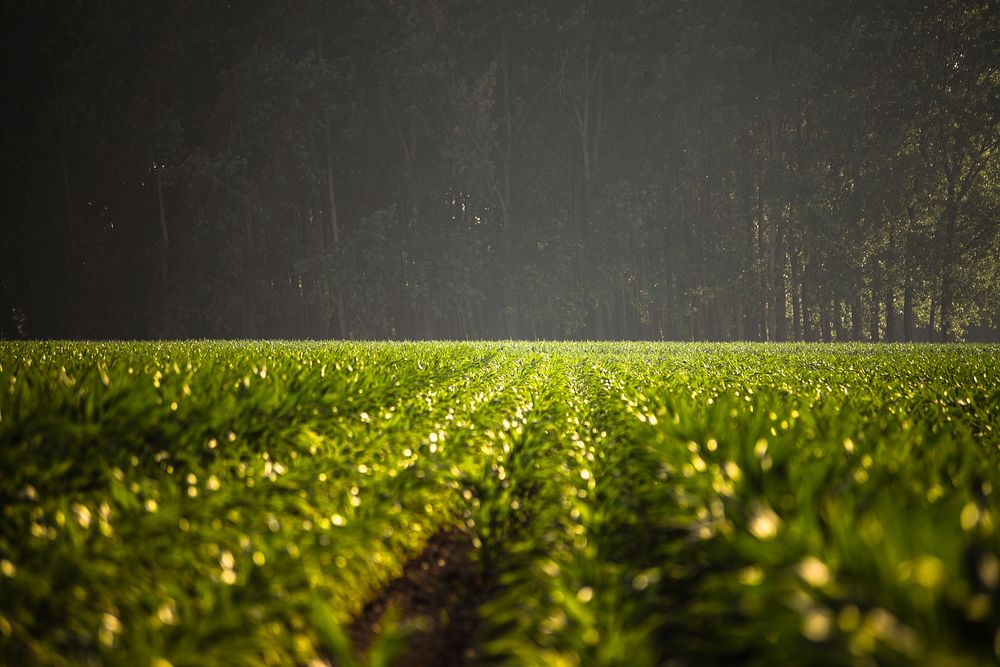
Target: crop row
(630, 504)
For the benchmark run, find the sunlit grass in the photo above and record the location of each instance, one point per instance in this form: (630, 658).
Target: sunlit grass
(221, 503)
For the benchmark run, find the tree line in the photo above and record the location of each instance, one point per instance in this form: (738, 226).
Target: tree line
(601, 169)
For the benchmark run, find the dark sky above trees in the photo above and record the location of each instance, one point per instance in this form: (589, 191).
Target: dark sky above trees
(620, 169)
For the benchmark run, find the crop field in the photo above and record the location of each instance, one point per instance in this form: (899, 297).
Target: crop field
(211, 503)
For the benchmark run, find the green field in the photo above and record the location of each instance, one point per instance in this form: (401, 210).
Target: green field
(626, 504)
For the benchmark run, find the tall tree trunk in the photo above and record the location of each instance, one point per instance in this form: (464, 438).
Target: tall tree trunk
(598, 315)
(780, 287)
(622, 330)
(738, 316)
(890, 315)
(807, 323)
(856, 317)
(771, 280)
(334, 223)
(335, 233)
(947, 270)
(873, 324)
(959, 185)
(931, 330)
(908, 309)
(824, 316)
(332, 194)
(875, 302)
(796, 295)
(838, 319)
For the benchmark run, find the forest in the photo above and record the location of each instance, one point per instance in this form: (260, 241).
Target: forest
(773, 170)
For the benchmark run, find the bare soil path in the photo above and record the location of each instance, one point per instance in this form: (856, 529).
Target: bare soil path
(440, 589)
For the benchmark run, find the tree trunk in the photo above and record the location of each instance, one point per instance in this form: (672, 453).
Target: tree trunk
(780, 287)
(772, 281)
(838, 320)
(856, 317)
(908, 309)
(623, 330)
(807, 323)
(796, 296)
(947, 277)
(332, 195)
(875, 314)
(824, 316)
(335, 235)
(931, 330)
(890, 315)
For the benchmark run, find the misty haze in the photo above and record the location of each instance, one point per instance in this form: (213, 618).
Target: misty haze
(606, 170)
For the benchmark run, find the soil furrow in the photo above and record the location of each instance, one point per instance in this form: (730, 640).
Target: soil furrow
(438, 595)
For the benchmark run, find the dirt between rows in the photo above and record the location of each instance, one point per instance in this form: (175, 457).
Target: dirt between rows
(439, 590)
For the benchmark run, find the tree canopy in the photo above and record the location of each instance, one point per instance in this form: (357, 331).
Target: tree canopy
(692, 169)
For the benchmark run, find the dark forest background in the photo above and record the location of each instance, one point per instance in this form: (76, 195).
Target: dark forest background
(696, 169)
